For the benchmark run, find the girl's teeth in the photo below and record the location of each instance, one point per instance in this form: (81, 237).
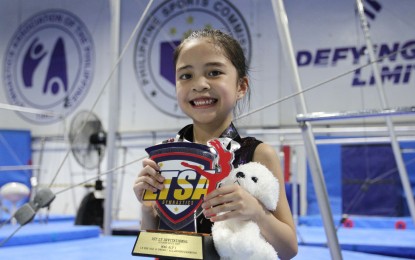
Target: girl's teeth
(203, 102)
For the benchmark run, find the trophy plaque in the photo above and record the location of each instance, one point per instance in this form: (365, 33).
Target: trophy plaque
(191, 171)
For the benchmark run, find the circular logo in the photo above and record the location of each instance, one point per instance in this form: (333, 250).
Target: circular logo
(163, 31)
(49, 65)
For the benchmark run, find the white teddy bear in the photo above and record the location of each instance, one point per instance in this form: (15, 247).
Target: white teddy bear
(240, 239)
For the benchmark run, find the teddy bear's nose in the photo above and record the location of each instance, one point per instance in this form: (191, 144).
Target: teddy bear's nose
(240, 175)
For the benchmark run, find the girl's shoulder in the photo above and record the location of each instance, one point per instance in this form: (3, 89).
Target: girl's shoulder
(249, 141)
(246, 152)
(265, 153)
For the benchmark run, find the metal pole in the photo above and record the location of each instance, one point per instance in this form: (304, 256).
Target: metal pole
(395, 145)
(309, 142)
(113, 113)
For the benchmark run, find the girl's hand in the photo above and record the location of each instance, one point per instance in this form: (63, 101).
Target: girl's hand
(231, 201)
(149, 178)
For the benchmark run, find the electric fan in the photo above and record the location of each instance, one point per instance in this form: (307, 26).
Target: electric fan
(87, 141)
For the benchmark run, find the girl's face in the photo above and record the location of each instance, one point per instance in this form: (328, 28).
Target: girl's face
(207, 83)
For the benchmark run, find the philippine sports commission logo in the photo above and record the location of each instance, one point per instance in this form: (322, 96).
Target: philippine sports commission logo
(49, 64)
(164, 29)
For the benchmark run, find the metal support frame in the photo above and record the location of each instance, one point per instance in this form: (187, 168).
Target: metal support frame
(309, 141)
(114, 100)
(306, 129)
(395, 145)
(318, 116)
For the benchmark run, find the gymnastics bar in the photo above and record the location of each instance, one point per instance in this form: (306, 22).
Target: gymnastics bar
(28, 110)
(319, 116)
(19, 168)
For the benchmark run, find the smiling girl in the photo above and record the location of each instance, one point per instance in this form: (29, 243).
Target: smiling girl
(211, 79)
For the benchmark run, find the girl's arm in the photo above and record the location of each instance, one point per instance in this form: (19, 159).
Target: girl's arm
(149, 217)
(277, 227)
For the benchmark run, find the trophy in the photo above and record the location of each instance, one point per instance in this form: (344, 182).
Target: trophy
(191, 171)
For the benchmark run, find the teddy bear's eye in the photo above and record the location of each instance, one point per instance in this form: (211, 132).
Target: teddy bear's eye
(255, 179)
(240, 175)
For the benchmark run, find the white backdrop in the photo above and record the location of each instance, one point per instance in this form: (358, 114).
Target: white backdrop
(326, 36)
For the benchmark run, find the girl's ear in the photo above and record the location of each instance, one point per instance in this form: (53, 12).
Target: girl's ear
(242, 87)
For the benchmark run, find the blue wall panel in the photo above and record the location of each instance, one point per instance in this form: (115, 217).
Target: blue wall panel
(341, 162)
(15, 150)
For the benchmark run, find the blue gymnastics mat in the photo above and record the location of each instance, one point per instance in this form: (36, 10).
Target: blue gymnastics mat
(391, 236)
(82, 242)
(120, 247)
(390, 242)
(35, 233)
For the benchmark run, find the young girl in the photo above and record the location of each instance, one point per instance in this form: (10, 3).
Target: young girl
(211, 78)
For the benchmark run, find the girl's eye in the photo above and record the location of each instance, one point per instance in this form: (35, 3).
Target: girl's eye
(185, 76)
(215, 73)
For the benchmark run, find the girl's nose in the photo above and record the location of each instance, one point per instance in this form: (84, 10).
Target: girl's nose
(201, 84)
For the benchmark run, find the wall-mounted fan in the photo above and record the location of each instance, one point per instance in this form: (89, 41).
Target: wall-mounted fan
(88, 140)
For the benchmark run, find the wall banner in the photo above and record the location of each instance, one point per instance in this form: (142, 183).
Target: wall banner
(164, 29)
(49, 64)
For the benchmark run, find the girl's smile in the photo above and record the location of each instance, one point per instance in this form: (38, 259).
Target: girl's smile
(203, 102)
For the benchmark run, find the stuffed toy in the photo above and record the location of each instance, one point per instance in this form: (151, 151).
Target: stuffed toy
(241, 239)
